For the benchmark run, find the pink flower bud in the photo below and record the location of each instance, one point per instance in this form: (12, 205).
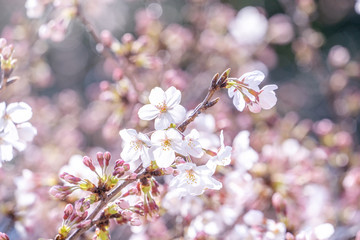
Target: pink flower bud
(106, 38)
(87, 162)
(100, 158)
(289, 236)
(60, 192)
(2, 43)
(126, 167)
(279, 203)
(3, 236)
(7, 51)
(70, 178)
(69, 209)
(119, 162)
(127, 38)
(118, 74)
(107, 157)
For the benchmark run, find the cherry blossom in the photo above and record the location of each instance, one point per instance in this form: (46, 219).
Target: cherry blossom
(15, 131)
(192, 145)
(135, 145)
(165, 144)
(245, 156)
(194, 180)
(164, 108)
(245, 91)
(223, 155)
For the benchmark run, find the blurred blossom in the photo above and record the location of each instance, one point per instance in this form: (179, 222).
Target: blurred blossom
(280, 29)
(249, 27)
(338, 56)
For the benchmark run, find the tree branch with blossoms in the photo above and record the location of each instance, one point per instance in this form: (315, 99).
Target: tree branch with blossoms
(168, 152)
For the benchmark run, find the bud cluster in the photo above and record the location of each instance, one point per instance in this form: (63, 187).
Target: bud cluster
(8, 63)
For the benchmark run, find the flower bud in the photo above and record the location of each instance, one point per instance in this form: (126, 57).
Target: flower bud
(107, 157)
(60, 192)
(119, 162)
(100, 158)
(70, 178)
(87, 162)
(106, 38)
(3, 236)
(279, 203)
(69, 209)
(2, 43)
(126, 167)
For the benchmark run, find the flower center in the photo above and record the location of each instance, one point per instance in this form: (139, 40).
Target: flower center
(190, 176)
(162, 107)
(166, 144)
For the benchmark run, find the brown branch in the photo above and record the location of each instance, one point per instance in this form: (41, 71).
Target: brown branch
(216, 83)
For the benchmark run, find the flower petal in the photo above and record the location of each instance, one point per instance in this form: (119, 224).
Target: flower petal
(157, 96)
(164, 157)
(163, 121)
(173, 97)
(19, 112)
(177, 113)
(148, 112)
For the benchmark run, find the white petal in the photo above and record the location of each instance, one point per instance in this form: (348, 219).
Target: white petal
(242, 140)
(173, 134)
(239, 102)
(148, 112)
(164, 157)
(157, 96)
(128, 135)
(173, 97)
(26, 131)
(177, 113)
(6, 152)
(19, 112)
(130, 153)
(253, 78)
(163, 121)
(158, 137)
(146, 157)
(194, 134)
(254, 107)
(267, 97)
(144, 138)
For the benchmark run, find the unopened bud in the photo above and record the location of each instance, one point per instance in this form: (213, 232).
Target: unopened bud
(2, 43)
(279, 203)
(7, 51)
(106, 38)
(126, 167)
(107, 157)
(60, 192)
(69, 209)
(100, 158)
(70, 178)
(3, 236)
(127, 38)
(289, 236)
(119, 162)
(87, 162)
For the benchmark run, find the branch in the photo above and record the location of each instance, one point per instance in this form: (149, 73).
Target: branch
(104, 202)
(216, 83)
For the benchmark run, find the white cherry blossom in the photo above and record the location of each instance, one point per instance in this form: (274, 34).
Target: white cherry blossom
(165, 144)
(164, 108)
(245, 156)
(194, 180)
(135, 145)
(15, 131)
(192, 145)
(223, 155)
(245, 91)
